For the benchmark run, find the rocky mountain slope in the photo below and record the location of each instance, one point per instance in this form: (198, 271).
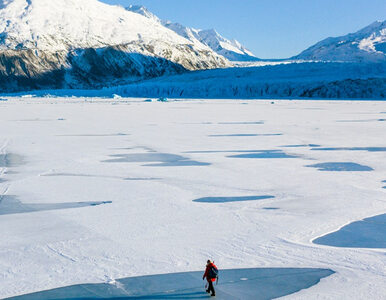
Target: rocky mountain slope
(365, 45)
(70, 43)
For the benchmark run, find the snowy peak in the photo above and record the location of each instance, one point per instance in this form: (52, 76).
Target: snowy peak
(142, 10)
(365, 45)
(59, 24)
(230, 49)
(83, 43)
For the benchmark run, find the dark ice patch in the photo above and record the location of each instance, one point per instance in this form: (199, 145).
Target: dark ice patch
(232, 199)
(159, 159)
(271, 208)
(265, 154)
(366, 233)
(248, 284)
(341, 167)
(10, 160)
(11, 205)
(369, 149)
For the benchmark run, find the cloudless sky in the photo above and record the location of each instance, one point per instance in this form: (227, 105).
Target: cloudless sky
(270, 28)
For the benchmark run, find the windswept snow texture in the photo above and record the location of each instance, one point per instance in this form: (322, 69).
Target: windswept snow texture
(232, 199)
(297, 80)
(254, 284)
(366, 233)
(365, 45)
(341, 167)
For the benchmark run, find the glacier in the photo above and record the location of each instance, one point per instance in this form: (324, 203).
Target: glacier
(296, 80)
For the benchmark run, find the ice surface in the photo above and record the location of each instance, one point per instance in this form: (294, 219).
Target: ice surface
(367, 233)
(232, 199)
(341, 166)
(254, 284)
(265, 154)
(154, 227)
(9, 160)
(164, 159)
(11, 205)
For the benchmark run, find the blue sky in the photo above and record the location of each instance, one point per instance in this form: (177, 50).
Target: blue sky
(270, 28)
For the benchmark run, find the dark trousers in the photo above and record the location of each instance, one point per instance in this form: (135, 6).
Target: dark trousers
(211, 287)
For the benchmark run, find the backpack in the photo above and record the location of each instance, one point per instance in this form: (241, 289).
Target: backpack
(213, 272)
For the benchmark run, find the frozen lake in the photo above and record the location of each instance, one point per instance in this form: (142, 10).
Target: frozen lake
(97, 195)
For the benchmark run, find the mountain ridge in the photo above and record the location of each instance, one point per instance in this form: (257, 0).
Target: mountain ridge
(230, 49)
(367, 44)
(69, 37)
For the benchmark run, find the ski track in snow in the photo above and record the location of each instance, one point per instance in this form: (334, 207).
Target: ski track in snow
(48, 249)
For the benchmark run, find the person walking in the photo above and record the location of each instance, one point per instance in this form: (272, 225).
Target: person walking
(211, 273)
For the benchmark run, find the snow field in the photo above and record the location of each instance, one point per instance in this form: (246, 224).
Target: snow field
(154, 226)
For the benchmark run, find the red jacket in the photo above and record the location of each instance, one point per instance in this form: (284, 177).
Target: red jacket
(208, 266)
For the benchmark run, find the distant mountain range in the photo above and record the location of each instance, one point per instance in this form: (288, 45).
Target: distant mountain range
(230, 49)
(365, 45)
(53, 44)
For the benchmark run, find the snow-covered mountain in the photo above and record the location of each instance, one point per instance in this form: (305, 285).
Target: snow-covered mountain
(83, 43)
(230, 49)
(365, 45)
